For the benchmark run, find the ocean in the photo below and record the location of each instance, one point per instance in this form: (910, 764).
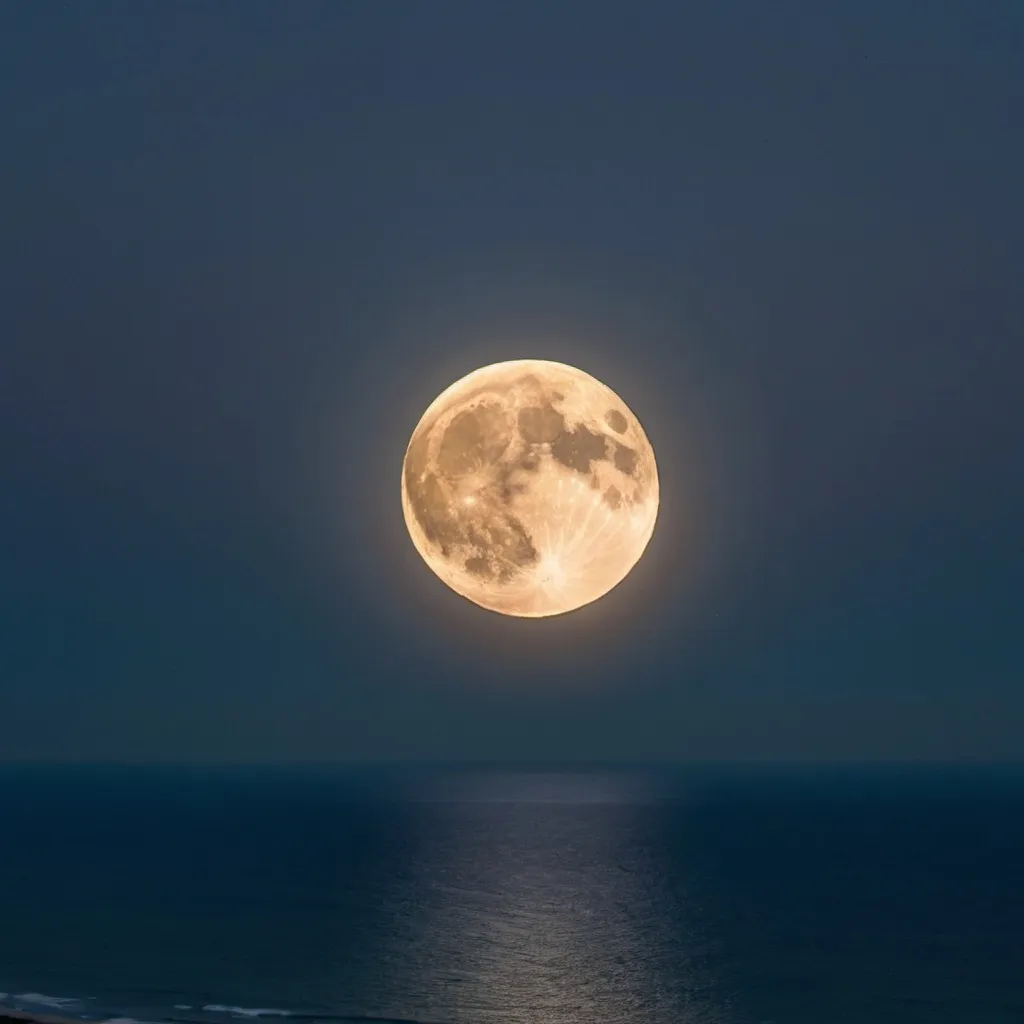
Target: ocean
(584, 895)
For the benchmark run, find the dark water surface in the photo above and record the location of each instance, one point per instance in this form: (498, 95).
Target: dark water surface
(502, 895)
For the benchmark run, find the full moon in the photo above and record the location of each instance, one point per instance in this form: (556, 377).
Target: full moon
(530, 488)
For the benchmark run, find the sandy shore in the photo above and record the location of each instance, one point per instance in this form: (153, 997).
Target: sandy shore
(27, 1017)
(20, 1017)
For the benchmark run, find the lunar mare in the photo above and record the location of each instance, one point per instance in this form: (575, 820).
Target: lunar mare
(530, 488)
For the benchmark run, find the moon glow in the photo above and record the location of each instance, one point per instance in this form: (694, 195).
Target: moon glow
(530, 488)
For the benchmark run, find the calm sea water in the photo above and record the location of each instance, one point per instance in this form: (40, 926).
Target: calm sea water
(549, 897)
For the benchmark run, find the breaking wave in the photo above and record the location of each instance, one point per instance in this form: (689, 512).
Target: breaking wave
(41, 999)
(245, 1011)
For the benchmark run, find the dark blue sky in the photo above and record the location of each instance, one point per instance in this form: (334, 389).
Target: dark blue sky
(243, 245)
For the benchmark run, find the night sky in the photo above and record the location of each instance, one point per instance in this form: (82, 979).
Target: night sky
(244, 244)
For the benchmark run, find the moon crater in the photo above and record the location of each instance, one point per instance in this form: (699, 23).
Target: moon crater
(530, 488)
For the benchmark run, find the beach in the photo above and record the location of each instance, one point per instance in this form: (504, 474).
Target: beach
(22, 1017)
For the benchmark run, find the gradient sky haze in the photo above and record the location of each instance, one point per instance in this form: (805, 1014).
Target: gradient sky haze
(244, 245)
